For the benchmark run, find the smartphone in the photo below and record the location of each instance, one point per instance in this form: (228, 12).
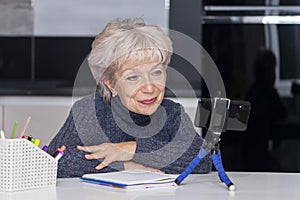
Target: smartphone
(238, 114)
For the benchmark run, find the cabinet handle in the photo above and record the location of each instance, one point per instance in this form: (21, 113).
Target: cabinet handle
(252, 8)
(251, 19)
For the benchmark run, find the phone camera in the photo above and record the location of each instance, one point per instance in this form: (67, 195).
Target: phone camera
(243, 107)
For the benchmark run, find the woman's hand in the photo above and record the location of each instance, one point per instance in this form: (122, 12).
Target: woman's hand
(110, 152)
(132, 165)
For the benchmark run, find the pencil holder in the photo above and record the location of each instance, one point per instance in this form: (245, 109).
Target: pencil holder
(25, 166)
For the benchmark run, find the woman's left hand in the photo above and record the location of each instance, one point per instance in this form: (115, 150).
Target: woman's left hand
(110, 152)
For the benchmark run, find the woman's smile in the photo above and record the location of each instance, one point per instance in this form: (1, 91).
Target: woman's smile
(148, 101)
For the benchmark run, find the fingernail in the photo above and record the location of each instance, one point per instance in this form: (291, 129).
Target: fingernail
(101, 166)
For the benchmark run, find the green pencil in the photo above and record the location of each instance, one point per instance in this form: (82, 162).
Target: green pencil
(14, 130)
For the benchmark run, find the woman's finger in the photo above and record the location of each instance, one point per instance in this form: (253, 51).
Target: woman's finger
(91, 149)
(97, 155)
(104, 163)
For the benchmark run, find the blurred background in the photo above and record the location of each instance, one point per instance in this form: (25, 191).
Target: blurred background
(43, 43)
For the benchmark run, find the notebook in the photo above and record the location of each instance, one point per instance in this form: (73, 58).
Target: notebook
(131, 179)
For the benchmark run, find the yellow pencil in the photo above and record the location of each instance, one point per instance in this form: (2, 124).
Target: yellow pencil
(25, 127)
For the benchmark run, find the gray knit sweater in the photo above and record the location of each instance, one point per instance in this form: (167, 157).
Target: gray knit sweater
(165, 140)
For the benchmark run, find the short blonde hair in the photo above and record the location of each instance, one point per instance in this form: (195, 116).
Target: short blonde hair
(129, 41)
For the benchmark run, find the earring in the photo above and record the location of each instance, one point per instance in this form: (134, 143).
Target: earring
(114, 94)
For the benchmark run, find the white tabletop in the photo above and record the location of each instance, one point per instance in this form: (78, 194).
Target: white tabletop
(201, 187)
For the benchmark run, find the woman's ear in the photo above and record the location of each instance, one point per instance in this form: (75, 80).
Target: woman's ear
(110, 87)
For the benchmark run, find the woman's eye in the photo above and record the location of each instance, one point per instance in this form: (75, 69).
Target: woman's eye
(132, 78)
(157, 73)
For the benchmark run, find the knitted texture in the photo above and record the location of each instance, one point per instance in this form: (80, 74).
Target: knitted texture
(165, 140)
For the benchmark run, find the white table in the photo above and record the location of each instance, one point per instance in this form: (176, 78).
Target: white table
(201, 187)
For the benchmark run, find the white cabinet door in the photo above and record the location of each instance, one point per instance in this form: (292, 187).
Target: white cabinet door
(82, 18)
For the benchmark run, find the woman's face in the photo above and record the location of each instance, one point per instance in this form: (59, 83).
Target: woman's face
(141, 86)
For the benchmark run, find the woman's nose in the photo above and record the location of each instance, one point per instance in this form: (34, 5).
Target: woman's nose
(147, 86)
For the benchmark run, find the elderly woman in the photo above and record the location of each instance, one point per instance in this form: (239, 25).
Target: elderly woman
(127, 123)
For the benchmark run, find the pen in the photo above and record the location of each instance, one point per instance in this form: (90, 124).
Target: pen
(2, 134)
(45, 148)
(14, 130)
(25, 126)
(30, 138)
(59, 153)
(61, 149)
(36, 142)
(24, 137)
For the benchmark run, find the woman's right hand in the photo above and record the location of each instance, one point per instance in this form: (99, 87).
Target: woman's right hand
(110, 152)
(133, 165)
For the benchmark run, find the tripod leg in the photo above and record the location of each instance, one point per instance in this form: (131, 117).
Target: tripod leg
(217, 161)
(191, 166)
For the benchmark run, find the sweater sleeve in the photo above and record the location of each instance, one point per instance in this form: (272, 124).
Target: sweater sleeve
(175, 149)
(73, 163)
